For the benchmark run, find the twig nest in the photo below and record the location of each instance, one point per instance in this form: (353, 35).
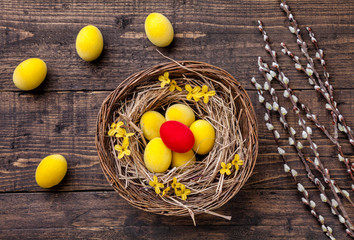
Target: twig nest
(194, 183)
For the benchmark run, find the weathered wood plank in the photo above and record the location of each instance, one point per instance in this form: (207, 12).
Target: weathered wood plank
(256, 214)
(60, 118)
(39, 124)
(230, 40)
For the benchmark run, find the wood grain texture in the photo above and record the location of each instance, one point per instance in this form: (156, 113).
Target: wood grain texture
(222, 33)
(60, 116)
(40, 124)
(91, 215)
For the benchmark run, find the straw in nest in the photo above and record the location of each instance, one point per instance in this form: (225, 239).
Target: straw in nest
(231, 114)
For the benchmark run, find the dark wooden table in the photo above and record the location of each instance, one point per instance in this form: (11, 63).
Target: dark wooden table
(60, 116)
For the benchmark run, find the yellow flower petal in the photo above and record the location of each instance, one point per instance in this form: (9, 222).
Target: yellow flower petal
(196, 90)
(129, 134)
(179, 88)
(188, 88)
(199, 94)
(125, 142)
(161, 78)
(175, 184)
(211, 93)
(127, 152)
(152, 183)
(189, 96)
(187, 191)
(111, 132)
(118, 147)
(166, 74)
(179, 190)
(165, 191)
(157, 190)
(121, 155)
(205, 89)
(196, 98)
(206, 99)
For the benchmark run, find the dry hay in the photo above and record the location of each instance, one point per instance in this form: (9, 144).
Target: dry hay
(229, 111)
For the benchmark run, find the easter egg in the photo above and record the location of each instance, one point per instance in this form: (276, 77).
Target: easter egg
(181, 113)
(177, 136)
(204, 135)
(158, 29)
(179, 159)
(157, 157)
(150, 124)
(29, 74)
(89, 43)
(51, 170)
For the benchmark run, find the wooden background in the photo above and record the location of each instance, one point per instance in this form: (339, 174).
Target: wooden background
(59, 116)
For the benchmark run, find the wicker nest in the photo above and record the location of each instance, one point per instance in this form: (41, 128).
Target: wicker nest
(229, 111)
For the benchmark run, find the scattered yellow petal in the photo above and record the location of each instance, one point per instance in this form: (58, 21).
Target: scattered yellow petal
(115, 129)
(206, 94)
(225, 168)
(175, 184)
(157, 190)
(155, 183)
(193, 93)
(174, 86)
(164, 79)
(185, 193)
(237, 162)
(165, 191)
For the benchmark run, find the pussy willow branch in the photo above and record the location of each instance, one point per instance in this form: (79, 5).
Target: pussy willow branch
(320, 57)
(334, 139)
(283, 80)
(268, 76)
(306, 130)
(305, 199)
(267, 73)
(311, 70)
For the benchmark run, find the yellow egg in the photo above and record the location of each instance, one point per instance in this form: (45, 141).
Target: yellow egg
(150, 123)
(157, 157)
(179, 159)
(51, 170)
(204, 135)
(89, 43)
(159, 29)
(181, 113)
(29, 74)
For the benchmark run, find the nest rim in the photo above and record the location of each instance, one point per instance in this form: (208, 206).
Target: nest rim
(190, 67)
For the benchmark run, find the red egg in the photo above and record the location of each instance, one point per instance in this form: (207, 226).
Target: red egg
(177, 136)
